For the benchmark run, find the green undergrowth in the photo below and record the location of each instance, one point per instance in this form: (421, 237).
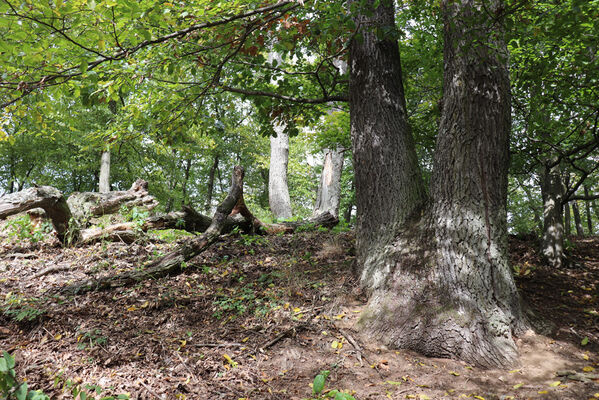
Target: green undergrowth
(12, 389)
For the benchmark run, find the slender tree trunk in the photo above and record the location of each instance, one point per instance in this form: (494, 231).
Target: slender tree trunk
(444, 286)
(588, 210)
(329, 189)
(185, 181)
(566, 207)
(535, 211)
(552, 247)
(567, 219)
(577, 219)
(211, 175)
(278, 192)
(104, 181)
(350, 206)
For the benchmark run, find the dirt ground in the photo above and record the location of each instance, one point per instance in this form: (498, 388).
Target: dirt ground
(260, 317)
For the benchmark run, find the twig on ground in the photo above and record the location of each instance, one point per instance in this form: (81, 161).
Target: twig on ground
(51, 270)
(150, 391)
(282, 335)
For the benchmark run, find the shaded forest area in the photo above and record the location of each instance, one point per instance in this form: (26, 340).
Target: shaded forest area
(258, 317)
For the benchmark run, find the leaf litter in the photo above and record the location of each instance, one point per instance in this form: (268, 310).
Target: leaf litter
(260, 318)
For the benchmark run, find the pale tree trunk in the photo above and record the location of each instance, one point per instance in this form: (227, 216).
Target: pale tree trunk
(329, 189)
(278, 192)
(577, 219)
(567, 219)
(350, 205)
(444, 287)
(552, 191)
(104, 181)
(588, 210)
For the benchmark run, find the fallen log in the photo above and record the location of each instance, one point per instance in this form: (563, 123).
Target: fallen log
(172, 262)
(85, 205)
(50, 200)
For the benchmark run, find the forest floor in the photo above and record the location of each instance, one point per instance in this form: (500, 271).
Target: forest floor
(259, 317)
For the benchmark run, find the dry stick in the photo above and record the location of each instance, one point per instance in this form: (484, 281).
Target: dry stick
(358, 348)
(51, 270)
(219, 345)
(150, 390)
(187, 367)
(282, 335)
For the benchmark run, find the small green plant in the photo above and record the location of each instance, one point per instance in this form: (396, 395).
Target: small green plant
(21, 308)
(225, 304)
(318, 391)
(523, 269)
(169, 235)
(84, 392)
(136, 215)
(309, 227)
(342, 226)
(250, 240)
(90, 339)
(22, 228)
(10, 388)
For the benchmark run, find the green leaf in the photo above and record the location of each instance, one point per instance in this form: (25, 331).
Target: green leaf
(584, 341)
(318, 384)
(21, 392)
(10, 360)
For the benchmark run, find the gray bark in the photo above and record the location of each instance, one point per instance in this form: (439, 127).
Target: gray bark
(577, 219)
(329, 189)
(278, 192)
(89, 204)
(50, 200)
(588, 210)
(388, 181)
(104, 180)
(552, 190)
(444, 287)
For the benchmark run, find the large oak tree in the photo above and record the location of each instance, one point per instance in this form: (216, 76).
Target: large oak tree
(436, 266)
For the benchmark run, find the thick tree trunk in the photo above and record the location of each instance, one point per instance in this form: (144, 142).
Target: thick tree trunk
(552, 247)
(567, 219)
(389, 185)
(210, 187)
(104, 180)
(588, 210)
(329, 189)
(444, 287)
(278, 192)
(89, 204)
(48, 198)
(577, 219)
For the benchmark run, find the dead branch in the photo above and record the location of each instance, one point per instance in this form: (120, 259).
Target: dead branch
(172, 263)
